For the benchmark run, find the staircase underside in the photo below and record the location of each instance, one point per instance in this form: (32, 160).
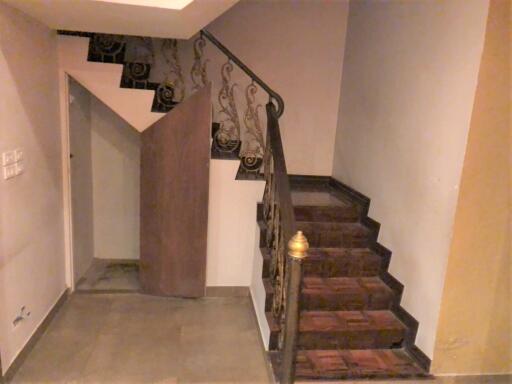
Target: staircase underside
(351, 323)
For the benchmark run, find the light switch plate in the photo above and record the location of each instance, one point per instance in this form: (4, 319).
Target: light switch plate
(8, 157)
(9, 171)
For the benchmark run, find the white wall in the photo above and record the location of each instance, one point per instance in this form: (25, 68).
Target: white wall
(105, 178)
(409, 79)
(231, 225)
(297, 48)
(116, 184)
(81, 180)
(32, 245)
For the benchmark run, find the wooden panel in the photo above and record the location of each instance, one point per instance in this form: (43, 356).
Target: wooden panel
(175, 159)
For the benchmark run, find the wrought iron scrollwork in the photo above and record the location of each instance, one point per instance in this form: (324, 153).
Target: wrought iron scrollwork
(274, 237)
(198, 72)
(252, 154)
(106, 48)
(174, 76)
(165, 96)
(138, 71)
(227, 138)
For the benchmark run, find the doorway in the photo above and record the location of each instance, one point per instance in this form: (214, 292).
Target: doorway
(139, 200)
(105, 184)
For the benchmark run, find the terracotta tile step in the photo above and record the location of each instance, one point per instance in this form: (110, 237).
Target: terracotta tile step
(353, 364)
(335, 262)
(344, 330)
(340, 294)
(334, 235)
(333, 213)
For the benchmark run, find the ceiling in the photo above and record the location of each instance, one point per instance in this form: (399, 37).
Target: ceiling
(179, 19)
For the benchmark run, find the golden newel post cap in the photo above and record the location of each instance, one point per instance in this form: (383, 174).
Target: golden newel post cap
(298, 246)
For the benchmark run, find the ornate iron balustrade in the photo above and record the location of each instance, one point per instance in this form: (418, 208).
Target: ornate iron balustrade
(287, 248)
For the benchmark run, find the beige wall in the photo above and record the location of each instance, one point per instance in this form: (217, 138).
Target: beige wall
(81, 178)
(105, 177)
(297, 48)
(474, 334)
(231, 225)
(32, 245)
(409, 79)
(115, 184)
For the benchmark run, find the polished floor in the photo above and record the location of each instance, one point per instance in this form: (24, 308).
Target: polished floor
(132, 338)
(136, 339)
(111, 275)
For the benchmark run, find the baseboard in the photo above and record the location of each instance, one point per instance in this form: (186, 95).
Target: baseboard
(268, 365)
(228, 291)
(478, 378)
(43, 326)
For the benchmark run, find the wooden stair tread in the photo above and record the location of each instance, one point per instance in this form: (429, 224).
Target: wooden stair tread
(339, 321)
(353, 364)
(345, 285)
(341, 293)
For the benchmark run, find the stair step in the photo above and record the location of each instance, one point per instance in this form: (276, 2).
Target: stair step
(340, 294)
(333, 213)
(335, 262)
(352, 364)
(330, 235)
(344, 330)
(312, 196)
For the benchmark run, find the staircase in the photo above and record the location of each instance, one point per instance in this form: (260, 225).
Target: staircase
(351, 323)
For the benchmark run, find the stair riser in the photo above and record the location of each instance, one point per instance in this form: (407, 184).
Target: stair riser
(363, 339)
(342, 266)
(339, 302)
(327, 214)
(318, 238)
(345, 302)
(330, 239)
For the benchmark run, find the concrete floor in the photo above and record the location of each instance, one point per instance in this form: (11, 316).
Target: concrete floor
(132, 338)
(137, 339)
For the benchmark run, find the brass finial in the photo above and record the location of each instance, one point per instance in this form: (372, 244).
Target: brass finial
(298, 246)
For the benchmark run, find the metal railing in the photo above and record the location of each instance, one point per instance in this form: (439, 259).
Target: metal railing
(288, 247)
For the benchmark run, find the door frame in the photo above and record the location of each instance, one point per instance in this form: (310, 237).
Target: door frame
(66, 179)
